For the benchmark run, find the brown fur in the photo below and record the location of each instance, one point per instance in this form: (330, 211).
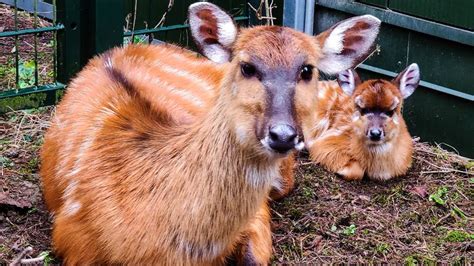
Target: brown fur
(145, 164)
(339, 142)
(99, 151)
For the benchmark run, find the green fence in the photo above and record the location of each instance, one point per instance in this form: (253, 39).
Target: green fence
(79, 30)
(27, 47)
(436, 34)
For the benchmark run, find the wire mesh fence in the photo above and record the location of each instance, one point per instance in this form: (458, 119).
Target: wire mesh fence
(44, 43)
(27, 48)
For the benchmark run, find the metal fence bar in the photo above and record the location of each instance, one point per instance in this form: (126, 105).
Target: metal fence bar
(33, 89)
(35, 38)
(17, 66)
(31, 31)
(168, 28)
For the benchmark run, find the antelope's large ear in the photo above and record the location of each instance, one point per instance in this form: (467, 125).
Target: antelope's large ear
(348, 80)
(347, 43)
(213, 30)
(408, 80)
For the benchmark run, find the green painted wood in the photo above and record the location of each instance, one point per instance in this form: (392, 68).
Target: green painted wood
(69, 39)
(380, 3)
(402, 20)
(453, 12)
(443, 62)
(441, 109)
(107, 25)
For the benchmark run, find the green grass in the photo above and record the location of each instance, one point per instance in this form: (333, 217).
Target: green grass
(459, 236)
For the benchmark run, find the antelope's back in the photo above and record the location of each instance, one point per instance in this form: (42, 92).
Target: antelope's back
(149, 84)
(333, 108)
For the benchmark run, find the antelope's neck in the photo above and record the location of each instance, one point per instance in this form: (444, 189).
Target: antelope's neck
(222, 183)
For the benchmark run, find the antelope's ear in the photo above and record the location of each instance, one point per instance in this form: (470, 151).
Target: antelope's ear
(213, 30)
(347, 43)
(408, 80)
(348, 80)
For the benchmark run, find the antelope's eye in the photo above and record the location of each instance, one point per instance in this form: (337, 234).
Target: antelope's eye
(248, 70)
(364, 111)
(389, 113)
(307, 72)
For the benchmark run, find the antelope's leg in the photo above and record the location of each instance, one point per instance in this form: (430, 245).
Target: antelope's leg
(255, 244)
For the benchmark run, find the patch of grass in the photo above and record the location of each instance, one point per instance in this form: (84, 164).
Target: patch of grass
(349, 230)
(47, 258)
(458, 236)
(5, 162)
(417, 259)
(382, 248)
(440, 196)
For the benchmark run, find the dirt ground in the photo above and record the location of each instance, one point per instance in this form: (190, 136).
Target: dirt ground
(424, 217)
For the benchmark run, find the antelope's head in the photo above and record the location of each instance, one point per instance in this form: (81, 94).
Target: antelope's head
(273, 71)
(378, 118)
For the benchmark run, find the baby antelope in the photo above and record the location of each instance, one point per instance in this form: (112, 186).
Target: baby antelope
(360, 128)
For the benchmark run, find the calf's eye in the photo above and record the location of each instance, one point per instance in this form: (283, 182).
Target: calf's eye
(389, 113)
(307, 73)
(248, 70)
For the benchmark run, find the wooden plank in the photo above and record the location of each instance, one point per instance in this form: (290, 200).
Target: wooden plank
(457, 13)
(380, 3)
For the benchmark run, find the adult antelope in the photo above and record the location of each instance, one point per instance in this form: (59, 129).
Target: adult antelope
(135, 171)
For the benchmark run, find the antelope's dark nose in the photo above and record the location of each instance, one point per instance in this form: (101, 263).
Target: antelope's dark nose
(282, 138)
(375, 134)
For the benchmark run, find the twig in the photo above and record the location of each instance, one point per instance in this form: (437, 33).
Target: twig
(33, 260)
(17, 260)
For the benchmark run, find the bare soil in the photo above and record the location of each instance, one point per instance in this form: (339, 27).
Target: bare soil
(324, 220)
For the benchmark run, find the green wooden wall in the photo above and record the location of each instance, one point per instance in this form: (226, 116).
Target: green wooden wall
(442, 108)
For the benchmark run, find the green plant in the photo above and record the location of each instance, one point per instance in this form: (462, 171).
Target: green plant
(47, 258)
(455, 211)
(26, 73)
(440, 196)
(382, 248)
(458, 236)
(350, 230)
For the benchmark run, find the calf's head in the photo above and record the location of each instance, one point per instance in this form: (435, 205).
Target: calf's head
(378, 103)
(272, 72)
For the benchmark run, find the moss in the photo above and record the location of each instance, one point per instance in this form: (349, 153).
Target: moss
(459, 236)
(22, 102)
(417, 259)
(382, 248)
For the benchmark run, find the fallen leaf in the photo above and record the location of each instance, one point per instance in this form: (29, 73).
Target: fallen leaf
(420, 191)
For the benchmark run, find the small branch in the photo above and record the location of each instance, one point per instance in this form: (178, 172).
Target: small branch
(33, 260)
(18, 259)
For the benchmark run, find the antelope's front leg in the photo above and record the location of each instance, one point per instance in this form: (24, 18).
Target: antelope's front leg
(255, 245)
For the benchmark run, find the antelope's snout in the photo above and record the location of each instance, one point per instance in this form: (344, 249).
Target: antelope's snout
(376, 128)
(282, 138)
(375, 134)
